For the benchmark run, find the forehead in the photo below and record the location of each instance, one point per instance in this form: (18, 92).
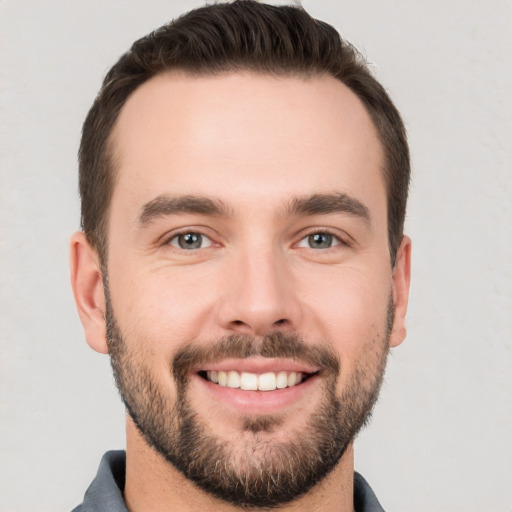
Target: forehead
(243, 136)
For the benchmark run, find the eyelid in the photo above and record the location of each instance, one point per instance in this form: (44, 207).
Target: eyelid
(203, 239)
(166, 239)
(342, 239)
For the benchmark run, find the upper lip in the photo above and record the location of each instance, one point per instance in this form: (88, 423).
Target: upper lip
(259, 365)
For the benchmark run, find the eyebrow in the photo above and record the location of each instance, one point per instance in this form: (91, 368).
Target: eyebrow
(316, 204)
(164, 205)
(324, 204)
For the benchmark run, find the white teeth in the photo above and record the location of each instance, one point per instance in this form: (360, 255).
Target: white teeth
(223, 378)
(292, 379)
(267, 382)
(233, 379)
(281, 380)
(251, 381)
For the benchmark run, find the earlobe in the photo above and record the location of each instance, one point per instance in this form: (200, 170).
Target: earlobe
(87, 284)
(401, 282)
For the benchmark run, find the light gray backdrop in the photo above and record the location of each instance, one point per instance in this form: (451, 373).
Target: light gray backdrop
(441, 435)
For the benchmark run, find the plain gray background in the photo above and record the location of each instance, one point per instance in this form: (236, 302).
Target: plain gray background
(441, 435)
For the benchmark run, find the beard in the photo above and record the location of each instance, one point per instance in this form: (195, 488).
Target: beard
(264, 472)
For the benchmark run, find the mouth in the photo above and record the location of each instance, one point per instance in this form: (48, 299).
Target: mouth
(256, 385)
(248, 381)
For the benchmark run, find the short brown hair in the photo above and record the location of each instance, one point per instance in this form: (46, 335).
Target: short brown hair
(244, 35)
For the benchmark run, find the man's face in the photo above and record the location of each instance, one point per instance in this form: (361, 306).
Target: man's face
(248, 247)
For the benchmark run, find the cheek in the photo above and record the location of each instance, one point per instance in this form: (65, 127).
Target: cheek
(350, 312)
(163, 308)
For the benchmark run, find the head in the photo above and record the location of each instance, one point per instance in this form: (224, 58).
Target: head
(243, 181)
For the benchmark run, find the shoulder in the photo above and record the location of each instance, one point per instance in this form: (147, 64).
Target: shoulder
(364, 497)
(105, 493)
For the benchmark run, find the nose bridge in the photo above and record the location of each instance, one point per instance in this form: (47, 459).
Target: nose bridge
(259, 295)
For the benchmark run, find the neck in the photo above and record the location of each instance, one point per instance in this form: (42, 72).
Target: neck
(154, 484)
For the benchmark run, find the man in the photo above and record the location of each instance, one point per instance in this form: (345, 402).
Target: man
(243, 181)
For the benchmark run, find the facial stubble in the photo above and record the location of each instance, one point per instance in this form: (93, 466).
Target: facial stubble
(264, 472)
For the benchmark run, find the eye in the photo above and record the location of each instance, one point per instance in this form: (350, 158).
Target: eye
(190, 241)
(319, 240)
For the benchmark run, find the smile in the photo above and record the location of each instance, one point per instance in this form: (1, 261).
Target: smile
(257, 385)
(247, 381)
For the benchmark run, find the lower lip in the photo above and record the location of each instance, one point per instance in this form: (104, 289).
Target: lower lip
(257, 402)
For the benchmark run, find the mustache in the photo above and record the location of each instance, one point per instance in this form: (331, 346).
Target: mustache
(236, 346)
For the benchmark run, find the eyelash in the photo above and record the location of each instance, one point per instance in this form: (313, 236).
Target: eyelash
(176, 236)
(339, 241)
(335, 238)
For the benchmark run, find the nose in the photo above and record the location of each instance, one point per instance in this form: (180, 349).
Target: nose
(259, 295)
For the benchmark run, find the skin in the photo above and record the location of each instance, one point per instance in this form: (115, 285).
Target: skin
(255, 143)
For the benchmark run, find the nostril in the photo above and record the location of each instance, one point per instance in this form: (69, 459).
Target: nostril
(258, 328)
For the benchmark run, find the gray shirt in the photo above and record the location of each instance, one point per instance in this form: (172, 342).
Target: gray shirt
(105, 494)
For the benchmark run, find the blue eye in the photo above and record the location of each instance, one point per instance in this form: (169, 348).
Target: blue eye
(190, 241)
(319, 240)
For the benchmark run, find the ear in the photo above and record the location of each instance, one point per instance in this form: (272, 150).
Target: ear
(87, 284)
(401, 281)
